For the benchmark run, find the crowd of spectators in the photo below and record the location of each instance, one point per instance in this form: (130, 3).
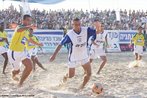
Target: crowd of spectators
(112, 20)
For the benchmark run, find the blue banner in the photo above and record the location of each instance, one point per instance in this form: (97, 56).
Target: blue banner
(126, 36)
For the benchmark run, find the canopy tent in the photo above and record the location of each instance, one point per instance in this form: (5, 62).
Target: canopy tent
(84, 4)
(42, 1)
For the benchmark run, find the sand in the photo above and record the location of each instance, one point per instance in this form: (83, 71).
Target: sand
(117, 79)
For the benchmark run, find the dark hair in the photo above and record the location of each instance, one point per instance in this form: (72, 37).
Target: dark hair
(95, 20)
(31, 29)
(140, 27)
(26, 16)
(76, 19)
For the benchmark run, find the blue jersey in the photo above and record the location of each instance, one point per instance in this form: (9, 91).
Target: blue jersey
(79, 41)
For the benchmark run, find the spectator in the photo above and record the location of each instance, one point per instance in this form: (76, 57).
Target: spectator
(129, 20)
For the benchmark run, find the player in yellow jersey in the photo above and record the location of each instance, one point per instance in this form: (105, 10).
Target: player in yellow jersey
(138, 40)
(17, 52)
(3, 49)
(32, 50)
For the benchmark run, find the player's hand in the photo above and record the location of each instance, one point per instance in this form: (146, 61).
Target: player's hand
(52, 58)
(33, 26)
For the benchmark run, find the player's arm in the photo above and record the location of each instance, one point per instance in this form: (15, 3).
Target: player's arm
(133, 39)
(106, 41)
(92, 34)
(52, 58)
(6, 40)
(64, 41)
(35, 43)
(38, 42)
(2, 39)
(23, 28)
(131, 42)
(29, 36)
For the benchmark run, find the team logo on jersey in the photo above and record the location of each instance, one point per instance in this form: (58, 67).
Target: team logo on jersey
(79, 39)
(139, 40)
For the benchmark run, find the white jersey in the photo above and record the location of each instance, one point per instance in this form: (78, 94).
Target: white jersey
(78, 49)
(100, 40)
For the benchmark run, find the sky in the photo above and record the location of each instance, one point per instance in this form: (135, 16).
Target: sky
(85, 5)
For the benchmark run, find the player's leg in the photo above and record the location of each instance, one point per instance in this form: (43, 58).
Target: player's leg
(92, 54)
(15, 62)
(34, 63)
(104, 60)
(136, 56)
(14, 74)
(140, 53)
(16, 69)
(140, 57)
(27, 70)
(70, 74)
(91, 60)
(5, 62)
(87, 68)
(38, 63)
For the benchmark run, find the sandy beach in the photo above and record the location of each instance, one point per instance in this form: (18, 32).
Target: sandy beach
(117, 79)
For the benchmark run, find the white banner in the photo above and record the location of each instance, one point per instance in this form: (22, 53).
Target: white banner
(113, 41)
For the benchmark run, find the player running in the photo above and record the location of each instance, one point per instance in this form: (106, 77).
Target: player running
(78, 53)
(32, 50)
(139, 41)
(3, 48)
(17, 51)
(98, 46)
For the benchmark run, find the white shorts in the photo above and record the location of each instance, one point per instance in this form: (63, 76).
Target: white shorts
(138, 49)
(3, 50)
(33, 51)
(96, 53)
(16, 58)
(73, 64)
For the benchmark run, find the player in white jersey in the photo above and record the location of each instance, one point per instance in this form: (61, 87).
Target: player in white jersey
(98, 47)
(78, 54)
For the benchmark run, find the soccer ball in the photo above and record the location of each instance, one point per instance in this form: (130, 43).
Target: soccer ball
(97, 88)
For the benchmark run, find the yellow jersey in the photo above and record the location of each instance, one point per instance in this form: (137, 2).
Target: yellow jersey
(19, 39)
(3, 35)
(30, 45)
(138, 39)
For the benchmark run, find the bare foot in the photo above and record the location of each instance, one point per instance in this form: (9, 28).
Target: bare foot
(44, 69)
(98, 73)
(15, 78)
(3, 72)
(19, 85)
(81, 87)
(64, 79)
